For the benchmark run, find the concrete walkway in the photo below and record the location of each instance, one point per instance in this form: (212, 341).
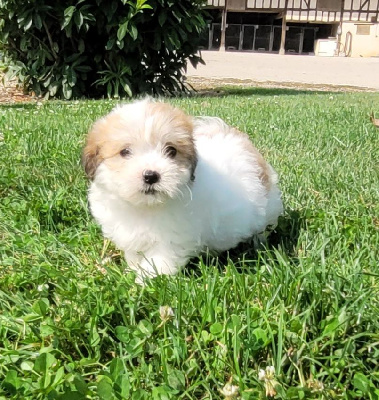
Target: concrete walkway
(335, 71)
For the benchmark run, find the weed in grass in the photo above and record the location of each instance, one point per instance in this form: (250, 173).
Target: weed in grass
(73, 325)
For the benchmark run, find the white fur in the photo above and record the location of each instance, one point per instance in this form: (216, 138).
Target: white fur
(226, 203)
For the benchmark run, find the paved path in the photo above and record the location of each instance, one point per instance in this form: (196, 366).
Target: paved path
(340, 71)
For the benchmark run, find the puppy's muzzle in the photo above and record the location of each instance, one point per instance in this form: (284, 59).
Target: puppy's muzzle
(150, 177)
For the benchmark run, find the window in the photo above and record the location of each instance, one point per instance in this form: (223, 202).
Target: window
(236, 5)
(363, 29)
(329, 5)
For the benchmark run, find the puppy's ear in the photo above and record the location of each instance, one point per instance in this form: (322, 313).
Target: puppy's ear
(91, 158)
(193, 166)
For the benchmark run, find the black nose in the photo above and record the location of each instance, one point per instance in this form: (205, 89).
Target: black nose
(151, 177)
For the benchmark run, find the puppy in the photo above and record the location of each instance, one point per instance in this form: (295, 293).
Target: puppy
(165, 186)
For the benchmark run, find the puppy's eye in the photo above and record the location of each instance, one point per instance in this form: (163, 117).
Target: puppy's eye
(170, 151)
(125, 152)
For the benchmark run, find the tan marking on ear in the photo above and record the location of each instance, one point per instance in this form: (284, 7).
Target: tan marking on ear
(102, 143)
(91, 158)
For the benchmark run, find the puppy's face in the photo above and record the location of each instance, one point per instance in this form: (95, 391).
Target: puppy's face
(142, 152)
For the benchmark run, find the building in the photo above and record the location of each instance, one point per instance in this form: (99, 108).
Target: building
(321, 27)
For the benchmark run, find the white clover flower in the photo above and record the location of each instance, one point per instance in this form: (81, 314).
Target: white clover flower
(166, 313)
(42, 287)
(268, 376)
(315, 385)
(262, 375)
(229, 391)
(270, 372)
(106, 260)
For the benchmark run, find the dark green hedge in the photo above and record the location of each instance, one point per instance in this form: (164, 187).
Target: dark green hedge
(97, 48)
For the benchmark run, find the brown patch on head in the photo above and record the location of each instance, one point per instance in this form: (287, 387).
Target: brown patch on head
(156, 124)
(102, 143)
(90, 158)
(173, 127)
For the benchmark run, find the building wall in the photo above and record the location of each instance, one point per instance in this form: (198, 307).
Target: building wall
(364, 39)
(359, 19)
(311, 10)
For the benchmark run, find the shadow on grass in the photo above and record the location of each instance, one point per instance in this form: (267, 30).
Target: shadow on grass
(27, 105)
(256, 91)
(283, 238)
(221, 91)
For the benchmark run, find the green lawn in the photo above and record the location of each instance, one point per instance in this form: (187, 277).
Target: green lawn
(73, 325)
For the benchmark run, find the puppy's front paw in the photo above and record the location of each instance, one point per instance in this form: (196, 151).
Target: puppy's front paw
(153, 266)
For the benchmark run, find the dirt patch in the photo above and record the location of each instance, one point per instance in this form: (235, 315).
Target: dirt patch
(11, 92)
(9, 95)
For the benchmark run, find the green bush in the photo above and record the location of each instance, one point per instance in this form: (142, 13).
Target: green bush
(97, 48)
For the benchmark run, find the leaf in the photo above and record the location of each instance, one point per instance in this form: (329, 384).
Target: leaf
(104, 389)
(41, 306)
(139, 394)
(53, 88)
(78, 19)
(110, 43)
(37, 21)
(361, 382)
(27, 366)
(176, 379)
(67, 90)
(216, 329)
(81, 46)
(145, 327)
(71, 395)
(122, 334)
(133, 31)
(121, 32)
(235, 322)
(12, 380)
(68, 13)
(331, 327)
(28, 23)
(123, 386)
(177, 16)
(260, 338)
(162, 17)
(135, 347)
(94, 336)
(44, 362)
(24, 43)
(59, 376)
(163, 392)
(141, 4)
(206, 337)
(80, 385)
(56, 47)
(116, 368)
(126, 86)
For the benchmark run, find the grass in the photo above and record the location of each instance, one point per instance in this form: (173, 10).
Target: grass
(73, 325)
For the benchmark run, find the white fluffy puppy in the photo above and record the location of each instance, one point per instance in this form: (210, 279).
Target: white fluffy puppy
(166, 186)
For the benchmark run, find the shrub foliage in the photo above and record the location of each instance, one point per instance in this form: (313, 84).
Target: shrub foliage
(96, 48)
